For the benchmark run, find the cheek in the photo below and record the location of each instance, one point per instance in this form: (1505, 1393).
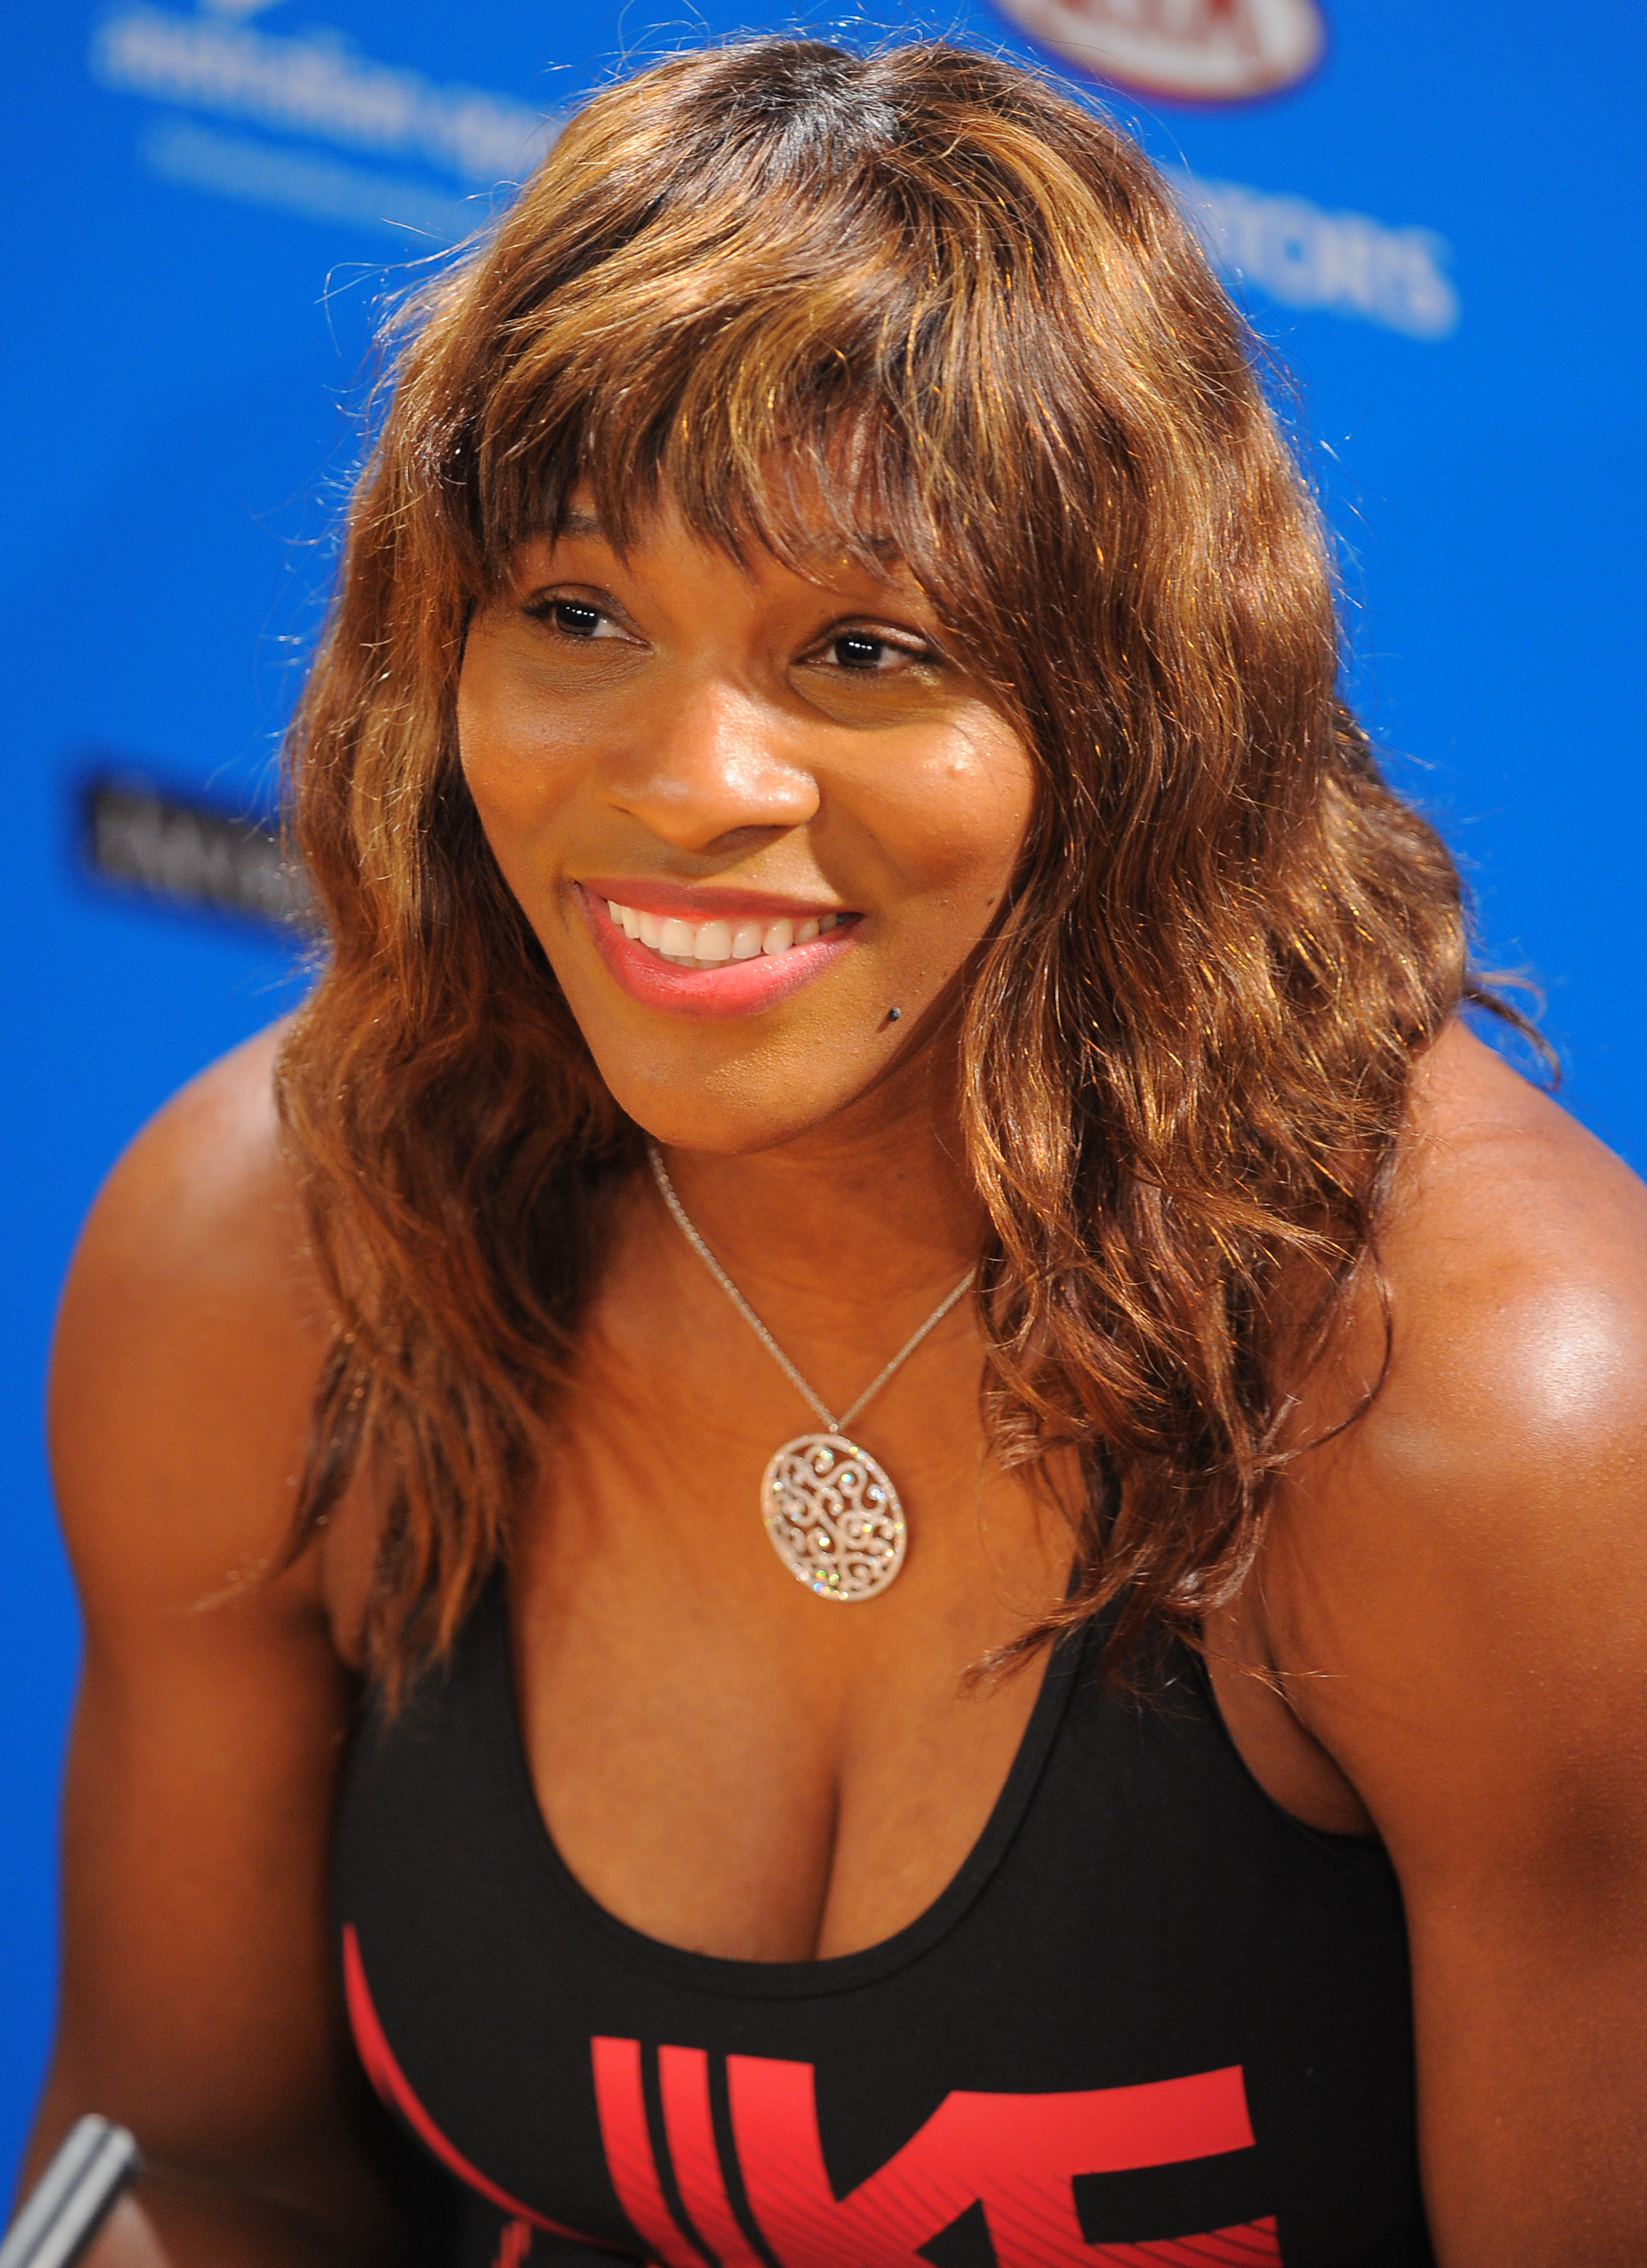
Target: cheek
(959, 828)
(490, 748)
(518, 766)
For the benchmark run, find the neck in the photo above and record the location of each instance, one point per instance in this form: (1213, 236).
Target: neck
(873, 1207)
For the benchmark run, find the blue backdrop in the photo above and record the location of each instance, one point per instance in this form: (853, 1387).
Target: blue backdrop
(1434, 215)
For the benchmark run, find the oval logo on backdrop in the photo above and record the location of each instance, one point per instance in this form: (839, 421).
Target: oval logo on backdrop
(1190, 50)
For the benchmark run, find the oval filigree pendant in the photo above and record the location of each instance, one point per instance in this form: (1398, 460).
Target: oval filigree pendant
(833, 1517)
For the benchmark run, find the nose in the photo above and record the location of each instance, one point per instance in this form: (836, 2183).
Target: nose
(710, 766)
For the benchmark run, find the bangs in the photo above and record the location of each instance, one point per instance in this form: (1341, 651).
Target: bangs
(779, 361)
(819, 319)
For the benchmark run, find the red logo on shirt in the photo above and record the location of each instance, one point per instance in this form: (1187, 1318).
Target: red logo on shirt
(1017, 2156)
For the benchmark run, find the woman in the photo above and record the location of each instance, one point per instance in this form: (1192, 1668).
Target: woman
(828, 795)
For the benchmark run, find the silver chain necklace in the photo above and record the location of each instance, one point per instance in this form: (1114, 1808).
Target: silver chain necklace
(831, 1512)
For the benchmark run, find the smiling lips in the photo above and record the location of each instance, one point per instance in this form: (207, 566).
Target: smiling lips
(732, 956)
(711, 944)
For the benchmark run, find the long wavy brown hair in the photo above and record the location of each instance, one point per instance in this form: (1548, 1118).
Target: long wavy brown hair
(920, 299)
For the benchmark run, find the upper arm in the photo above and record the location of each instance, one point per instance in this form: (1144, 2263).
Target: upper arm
(198, 2004)
(1456, 1589)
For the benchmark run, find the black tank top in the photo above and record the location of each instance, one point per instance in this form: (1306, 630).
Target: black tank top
(1152, 2019)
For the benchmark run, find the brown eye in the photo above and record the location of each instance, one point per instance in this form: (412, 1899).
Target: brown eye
(576, 619)
(865, 653)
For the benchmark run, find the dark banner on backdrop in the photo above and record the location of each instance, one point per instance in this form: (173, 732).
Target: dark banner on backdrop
(1429, 214)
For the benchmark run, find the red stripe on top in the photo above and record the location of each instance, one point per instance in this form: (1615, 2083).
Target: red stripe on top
(623, 2106)
(396, 2090)
(684, 2079)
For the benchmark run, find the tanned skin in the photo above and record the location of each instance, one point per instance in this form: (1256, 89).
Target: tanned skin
(1444, 1642)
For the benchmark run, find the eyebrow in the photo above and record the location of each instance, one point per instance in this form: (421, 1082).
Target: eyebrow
(579, 523)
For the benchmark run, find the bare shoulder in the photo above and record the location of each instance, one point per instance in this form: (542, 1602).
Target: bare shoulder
(1514, 1252)
(191, 1334)
(1456, 1583)
(205, 1186)
(1513, 1233)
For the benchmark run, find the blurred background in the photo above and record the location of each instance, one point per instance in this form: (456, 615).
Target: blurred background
(1432, 216)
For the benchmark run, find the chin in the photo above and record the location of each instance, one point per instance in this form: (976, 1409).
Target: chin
(747, 1102)
(724, 1117)
(735, 1087)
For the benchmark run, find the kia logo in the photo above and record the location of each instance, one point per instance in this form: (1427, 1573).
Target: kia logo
(1191, 50)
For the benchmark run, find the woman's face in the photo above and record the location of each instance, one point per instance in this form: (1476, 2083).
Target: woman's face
(747, 812)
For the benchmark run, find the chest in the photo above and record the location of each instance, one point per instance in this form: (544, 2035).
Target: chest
(728, 1761)
(1144, 2011)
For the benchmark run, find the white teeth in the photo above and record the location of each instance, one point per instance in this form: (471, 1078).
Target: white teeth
(711, 944)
